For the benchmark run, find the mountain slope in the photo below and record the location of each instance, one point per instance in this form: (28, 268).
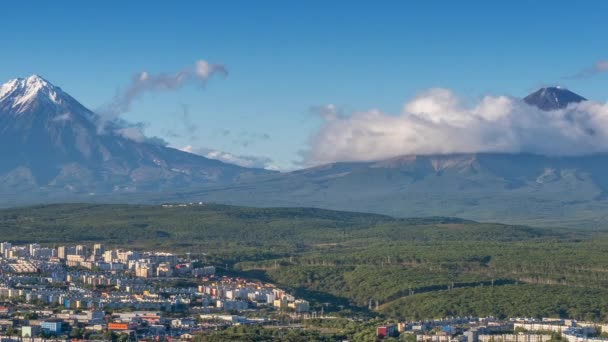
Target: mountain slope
(516, 188)
(553, 98)
(52, 145)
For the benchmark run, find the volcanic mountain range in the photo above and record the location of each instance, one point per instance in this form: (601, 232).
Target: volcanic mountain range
(54, 149)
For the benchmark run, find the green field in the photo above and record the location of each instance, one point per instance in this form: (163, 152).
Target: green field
(413, 268)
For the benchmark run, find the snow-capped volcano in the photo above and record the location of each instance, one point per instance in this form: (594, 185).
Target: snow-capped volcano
(25, 94)
(49, 142)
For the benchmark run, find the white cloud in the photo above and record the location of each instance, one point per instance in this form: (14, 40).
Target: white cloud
(63, 117)
(437, 122)
(601, 66)
(144, 82)
(226, 157)
(598, 67)
(204, 70)
(134, 133)
(327, 112)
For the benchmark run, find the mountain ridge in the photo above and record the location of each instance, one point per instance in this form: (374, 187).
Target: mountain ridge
(497, 187)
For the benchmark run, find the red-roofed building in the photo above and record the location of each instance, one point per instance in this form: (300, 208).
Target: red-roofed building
(386, 331)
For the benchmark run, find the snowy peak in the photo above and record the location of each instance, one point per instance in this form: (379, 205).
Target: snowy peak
(553, 98)
(20, 94)
(51, 144)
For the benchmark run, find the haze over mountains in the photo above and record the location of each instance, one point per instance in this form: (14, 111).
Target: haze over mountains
(54, 150)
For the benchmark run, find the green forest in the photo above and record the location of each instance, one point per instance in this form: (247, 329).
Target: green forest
(354, 263)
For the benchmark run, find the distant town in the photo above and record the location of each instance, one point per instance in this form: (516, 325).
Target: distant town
(88, 292)
(73, 292)
(489, 329)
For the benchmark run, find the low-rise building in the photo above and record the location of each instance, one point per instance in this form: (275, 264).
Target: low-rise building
(51, 327)
(30, 331)
(386, 331)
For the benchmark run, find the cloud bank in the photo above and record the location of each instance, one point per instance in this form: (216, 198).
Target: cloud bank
(437, 122)
(226, 157)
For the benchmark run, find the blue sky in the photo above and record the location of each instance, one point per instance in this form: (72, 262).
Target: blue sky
(285, 57)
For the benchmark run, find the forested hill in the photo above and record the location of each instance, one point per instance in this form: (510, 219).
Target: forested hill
(414, 268)
(183, 226)
(176, 226)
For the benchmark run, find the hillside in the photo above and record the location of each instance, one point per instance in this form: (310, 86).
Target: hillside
(347, 258)
(512, 188)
